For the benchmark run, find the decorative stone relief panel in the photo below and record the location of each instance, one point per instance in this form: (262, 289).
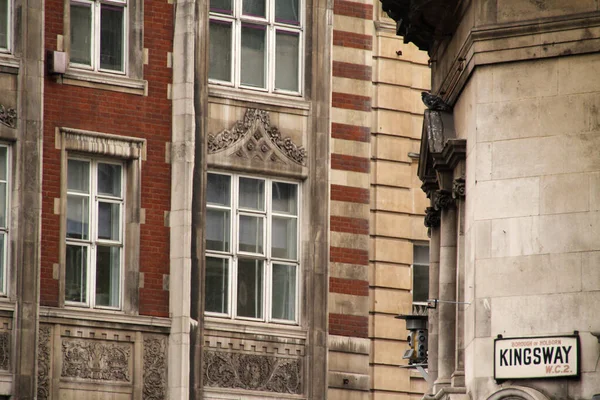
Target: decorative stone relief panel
(96, 360)
(253, 372)
(255, 138)
(44, 361)
(5, 351)
(155, 368)
(8, 116)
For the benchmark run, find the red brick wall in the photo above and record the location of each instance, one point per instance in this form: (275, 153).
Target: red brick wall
(116, 113)
(348, 226)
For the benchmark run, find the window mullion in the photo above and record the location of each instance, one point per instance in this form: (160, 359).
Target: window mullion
(93, 233)
(96, 37)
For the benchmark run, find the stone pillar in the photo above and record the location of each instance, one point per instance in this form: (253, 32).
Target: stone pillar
(30, 27)
(432, 221)
(447, 290)
(458, 193)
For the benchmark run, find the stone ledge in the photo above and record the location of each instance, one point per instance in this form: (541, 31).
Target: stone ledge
(347, 344)
(105, 82)
(491, 44)
(271, 102)
(89, 317)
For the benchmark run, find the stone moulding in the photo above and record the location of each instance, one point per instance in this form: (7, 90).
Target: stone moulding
(96, 360)
(8, 116)
(155, 368)
(43, 378)
(253, 372)
(248, 128)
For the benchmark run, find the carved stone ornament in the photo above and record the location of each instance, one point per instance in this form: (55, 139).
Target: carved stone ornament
(5, 351)
(252, 372)
(458, 188)
(422, 22)
(91, 359)
(8, 116)
(432, 217)
(434, 102)
(155, 368)
(247, 128)
(43, 377)
(443, 199)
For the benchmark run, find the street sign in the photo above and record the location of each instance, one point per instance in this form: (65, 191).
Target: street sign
(536, 357)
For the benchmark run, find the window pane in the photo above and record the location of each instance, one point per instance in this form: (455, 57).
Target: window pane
(286, 60)
(217, 230)
(252, 193)
(255, 8)
(109, 179)
(220, 6)
(216, 292)
(2, 255)
(81, 34)
(218, 189)
(285, 197)
(3, 205)
(220, 51)
(250, 288)
(76, 274)
(286, 11)
(78, 176)
(253, 63)
(284, 292)
(421, 255)
(109, 217)
(111, 37)
(420, 283)
(108, 276)
(78, 217)
(3, 159)
(251, 234)
(283, 238)
(4, 15)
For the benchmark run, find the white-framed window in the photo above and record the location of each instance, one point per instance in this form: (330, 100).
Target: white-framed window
(98, 40)
(257, 44)
(420, 274)
(252, 257)
(5, 189)
(94, 233)
(5, 25)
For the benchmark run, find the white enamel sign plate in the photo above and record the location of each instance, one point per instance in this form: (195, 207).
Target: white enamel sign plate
(539, 357)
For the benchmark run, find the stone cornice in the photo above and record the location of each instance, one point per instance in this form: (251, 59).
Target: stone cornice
(519, 41)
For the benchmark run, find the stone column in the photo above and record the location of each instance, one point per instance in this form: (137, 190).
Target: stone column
(447, 290)
(30, 27)
(458, 193)
(432, 221)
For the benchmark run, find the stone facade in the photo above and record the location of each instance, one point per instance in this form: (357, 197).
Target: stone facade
(518, 253)
(166, 124)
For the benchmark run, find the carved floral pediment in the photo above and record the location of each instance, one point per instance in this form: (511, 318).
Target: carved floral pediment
(254, 138)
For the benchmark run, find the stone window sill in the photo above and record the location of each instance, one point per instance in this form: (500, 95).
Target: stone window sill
(9, 64)
(105, 82)
(256, 328)
(276, 102)
(118, 317)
